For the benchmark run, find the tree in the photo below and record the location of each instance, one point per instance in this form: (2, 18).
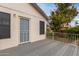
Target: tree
(64, 13)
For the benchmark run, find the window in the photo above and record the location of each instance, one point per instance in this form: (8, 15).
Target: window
(42, 27)
(4, 25)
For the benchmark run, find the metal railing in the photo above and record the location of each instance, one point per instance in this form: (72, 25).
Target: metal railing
(66, 37)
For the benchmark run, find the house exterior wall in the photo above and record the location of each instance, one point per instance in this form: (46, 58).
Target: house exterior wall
(25, 10)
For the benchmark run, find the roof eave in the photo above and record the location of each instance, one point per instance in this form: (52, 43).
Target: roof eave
(40, 10)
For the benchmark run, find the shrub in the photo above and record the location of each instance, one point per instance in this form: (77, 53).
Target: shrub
(72, 33)
(74, 30)
(49, 33)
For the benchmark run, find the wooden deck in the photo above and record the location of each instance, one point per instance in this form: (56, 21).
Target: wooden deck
(42, 48)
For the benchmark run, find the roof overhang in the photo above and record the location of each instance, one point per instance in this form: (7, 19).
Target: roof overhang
(40, 10)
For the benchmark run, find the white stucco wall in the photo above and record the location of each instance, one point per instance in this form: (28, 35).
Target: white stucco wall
(25, 10)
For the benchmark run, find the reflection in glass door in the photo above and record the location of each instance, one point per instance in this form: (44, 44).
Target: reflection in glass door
(24, 30)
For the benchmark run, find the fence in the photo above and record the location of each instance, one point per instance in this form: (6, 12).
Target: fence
(66, 37)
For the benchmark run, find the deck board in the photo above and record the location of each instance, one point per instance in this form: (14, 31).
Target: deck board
(42, 48)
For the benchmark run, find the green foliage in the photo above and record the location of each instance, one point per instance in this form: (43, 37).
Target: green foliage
(72, 33)
(48, 33)
(74, 30)
(64, 13)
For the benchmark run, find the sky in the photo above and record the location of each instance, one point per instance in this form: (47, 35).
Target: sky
(48, 7)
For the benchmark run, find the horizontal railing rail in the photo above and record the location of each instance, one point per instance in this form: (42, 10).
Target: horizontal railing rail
(66, 37)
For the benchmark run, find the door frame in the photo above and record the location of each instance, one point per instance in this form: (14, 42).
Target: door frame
(28, 29)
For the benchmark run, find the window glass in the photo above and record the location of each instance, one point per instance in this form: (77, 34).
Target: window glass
(42, 27)
(4, 25)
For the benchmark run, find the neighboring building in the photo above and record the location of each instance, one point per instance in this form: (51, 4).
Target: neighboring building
(21, 23)
(65, 26)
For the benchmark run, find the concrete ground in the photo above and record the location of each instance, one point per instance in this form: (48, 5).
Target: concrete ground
(42, 48)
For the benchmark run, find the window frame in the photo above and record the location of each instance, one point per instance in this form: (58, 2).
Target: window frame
(42, 27)
(8, 25)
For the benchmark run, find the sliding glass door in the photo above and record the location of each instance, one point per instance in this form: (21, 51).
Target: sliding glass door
(24, 30)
